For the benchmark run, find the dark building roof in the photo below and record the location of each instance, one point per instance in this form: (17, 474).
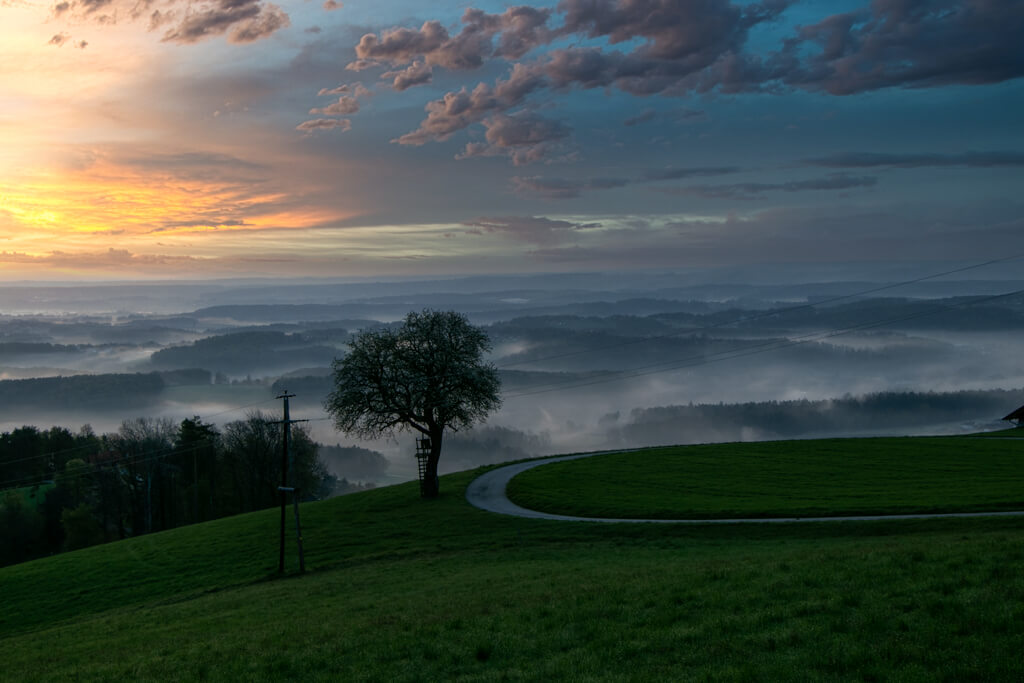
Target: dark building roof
(1017, 415)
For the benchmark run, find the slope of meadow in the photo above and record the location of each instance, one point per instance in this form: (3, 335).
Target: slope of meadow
(404, 589)
(822, 477)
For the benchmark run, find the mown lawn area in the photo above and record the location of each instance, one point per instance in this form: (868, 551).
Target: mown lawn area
(833, 477)
(401, 589)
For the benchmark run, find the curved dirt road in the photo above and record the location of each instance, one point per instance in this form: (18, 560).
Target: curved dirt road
(487, 492)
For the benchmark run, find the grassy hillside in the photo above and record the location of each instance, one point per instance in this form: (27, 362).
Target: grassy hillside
(404, 589)
(827, 477)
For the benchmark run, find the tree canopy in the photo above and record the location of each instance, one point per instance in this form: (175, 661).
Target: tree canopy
(427, 375)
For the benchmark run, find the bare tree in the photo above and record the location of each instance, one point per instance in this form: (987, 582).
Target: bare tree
(143, 444)
(427, 375)
(251, 462)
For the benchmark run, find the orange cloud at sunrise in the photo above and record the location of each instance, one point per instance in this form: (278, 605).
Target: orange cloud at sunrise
(203, 138)
(106, 205)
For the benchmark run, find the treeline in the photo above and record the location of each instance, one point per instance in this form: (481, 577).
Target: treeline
(241, 353)
(64, 490)
(120, 390)
(95, 391)
(873, 413)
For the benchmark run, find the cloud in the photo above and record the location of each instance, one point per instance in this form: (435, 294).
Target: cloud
(696, 33)
(59, 39)
(331, 5)
(207, 167)
(680, 116)
(102, 259)
(243, 21)
(417, 73)
(531, 229)
(91, 6)
(681, 38)
(325, 124)
(680, 47)
(835, 181)
(201, 223)
(643, 117)
(897, 43)
(524, 137)
(877, 159)
(519, 29)
(563, 188)
(458, 110)
(356, 89)
(401, 45)
(346, 104)
(247, 21)
(655, 174)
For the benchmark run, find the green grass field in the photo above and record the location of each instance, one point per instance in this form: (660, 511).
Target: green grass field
(410, 590)
(784, 478)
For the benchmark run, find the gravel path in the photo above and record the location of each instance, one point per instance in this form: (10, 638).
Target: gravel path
(487, 492)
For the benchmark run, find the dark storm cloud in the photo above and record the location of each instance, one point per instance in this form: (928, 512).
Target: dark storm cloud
(877, 159)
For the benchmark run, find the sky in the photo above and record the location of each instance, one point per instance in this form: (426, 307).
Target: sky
(171, 139)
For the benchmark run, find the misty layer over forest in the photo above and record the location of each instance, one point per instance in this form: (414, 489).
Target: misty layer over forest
(587, 361)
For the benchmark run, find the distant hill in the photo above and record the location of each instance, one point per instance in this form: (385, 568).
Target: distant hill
(252, 352)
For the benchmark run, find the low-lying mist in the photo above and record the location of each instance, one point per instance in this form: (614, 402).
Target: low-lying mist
(584, 368)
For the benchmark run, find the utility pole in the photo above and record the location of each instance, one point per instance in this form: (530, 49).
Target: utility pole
(195, 476)
(286, 464)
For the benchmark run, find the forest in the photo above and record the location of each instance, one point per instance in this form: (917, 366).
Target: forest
(65, 490)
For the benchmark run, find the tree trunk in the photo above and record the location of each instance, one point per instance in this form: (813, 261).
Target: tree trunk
(431, 487)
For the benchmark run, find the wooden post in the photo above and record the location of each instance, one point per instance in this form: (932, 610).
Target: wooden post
(287, 463)
(284, 478)
(298, 530)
